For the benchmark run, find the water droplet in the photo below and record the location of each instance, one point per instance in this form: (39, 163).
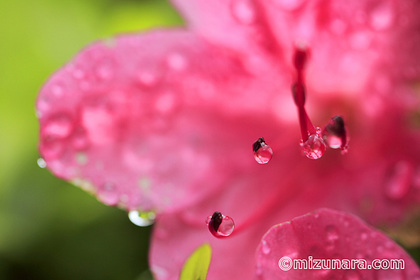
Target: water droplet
(314, 147)
(288, 5)
(108, 196)
(79, 139)
(243, 11)
(57, 90)
(142, 219)
(147, 78)
(78, 73)
(177, 62)
(220, 225)
(265, 248)
(363, 236)
(262, 152)
(58, 126)
(400, 180)
(41, 163)
(335, 134)
(382, 16)
(81, 158)
(338, 26)
(332, 234)
(104, 71)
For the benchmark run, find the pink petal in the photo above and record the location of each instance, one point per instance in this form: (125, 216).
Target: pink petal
(327, 234)
(152, 122)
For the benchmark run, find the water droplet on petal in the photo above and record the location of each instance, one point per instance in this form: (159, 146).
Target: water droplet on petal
(147, 78)
(104, 71)
(41, 163)
(363, 236)
(58, 126)
(177, 61)
(400, 180)
(314, 147)
(335, 134)
(57, 90)
(220, 225)
(142, 219)
(332, 234)
(262, 152)
(382, 16)
(79, 139)
(243, 11)
(265, 248)
(288, 5)
(108, 195)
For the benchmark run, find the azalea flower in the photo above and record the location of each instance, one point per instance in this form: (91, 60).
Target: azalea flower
(163, 123)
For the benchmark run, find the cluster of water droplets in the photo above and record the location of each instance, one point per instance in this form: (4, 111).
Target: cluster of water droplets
(334, 136)
(220, 225)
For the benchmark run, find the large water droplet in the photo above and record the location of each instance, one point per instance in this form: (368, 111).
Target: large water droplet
(335, 134)
(243, 11)
(41, 163)
(220, 225)
(262, 152)
(265, 247)
(400, 180)
(314, 147)
(142, 219)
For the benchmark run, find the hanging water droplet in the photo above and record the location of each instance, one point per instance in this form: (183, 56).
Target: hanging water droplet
(220, 225)
(243, 11)
(41, 163)
(314, 147)
(335, 134)
(262, 152)
(142, 219)
(265, 247)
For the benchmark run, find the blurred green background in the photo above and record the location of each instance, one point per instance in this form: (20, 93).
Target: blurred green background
(50, 229)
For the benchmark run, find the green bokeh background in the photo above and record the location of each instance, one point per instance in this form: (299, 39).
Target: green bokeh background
(50, 229)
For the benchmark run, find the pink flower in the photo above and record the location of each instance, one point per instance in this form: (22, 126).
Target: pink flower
(164, 121)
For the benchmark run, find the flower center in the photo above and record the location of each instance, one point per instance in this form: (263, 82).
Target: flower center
(314, 140)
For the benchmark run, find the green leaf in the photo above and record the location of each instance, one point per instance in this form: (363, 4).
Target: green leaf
(197, 265)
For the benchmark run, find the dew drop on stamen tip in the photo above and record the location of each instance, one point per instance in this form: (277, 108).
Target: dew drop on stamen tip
(314, 147)
(142, 219)
(262, 152)
(220, 225)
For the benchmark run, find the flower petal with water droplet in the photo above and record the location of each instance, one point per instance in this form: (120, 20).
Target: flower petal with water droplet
(323, 234)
